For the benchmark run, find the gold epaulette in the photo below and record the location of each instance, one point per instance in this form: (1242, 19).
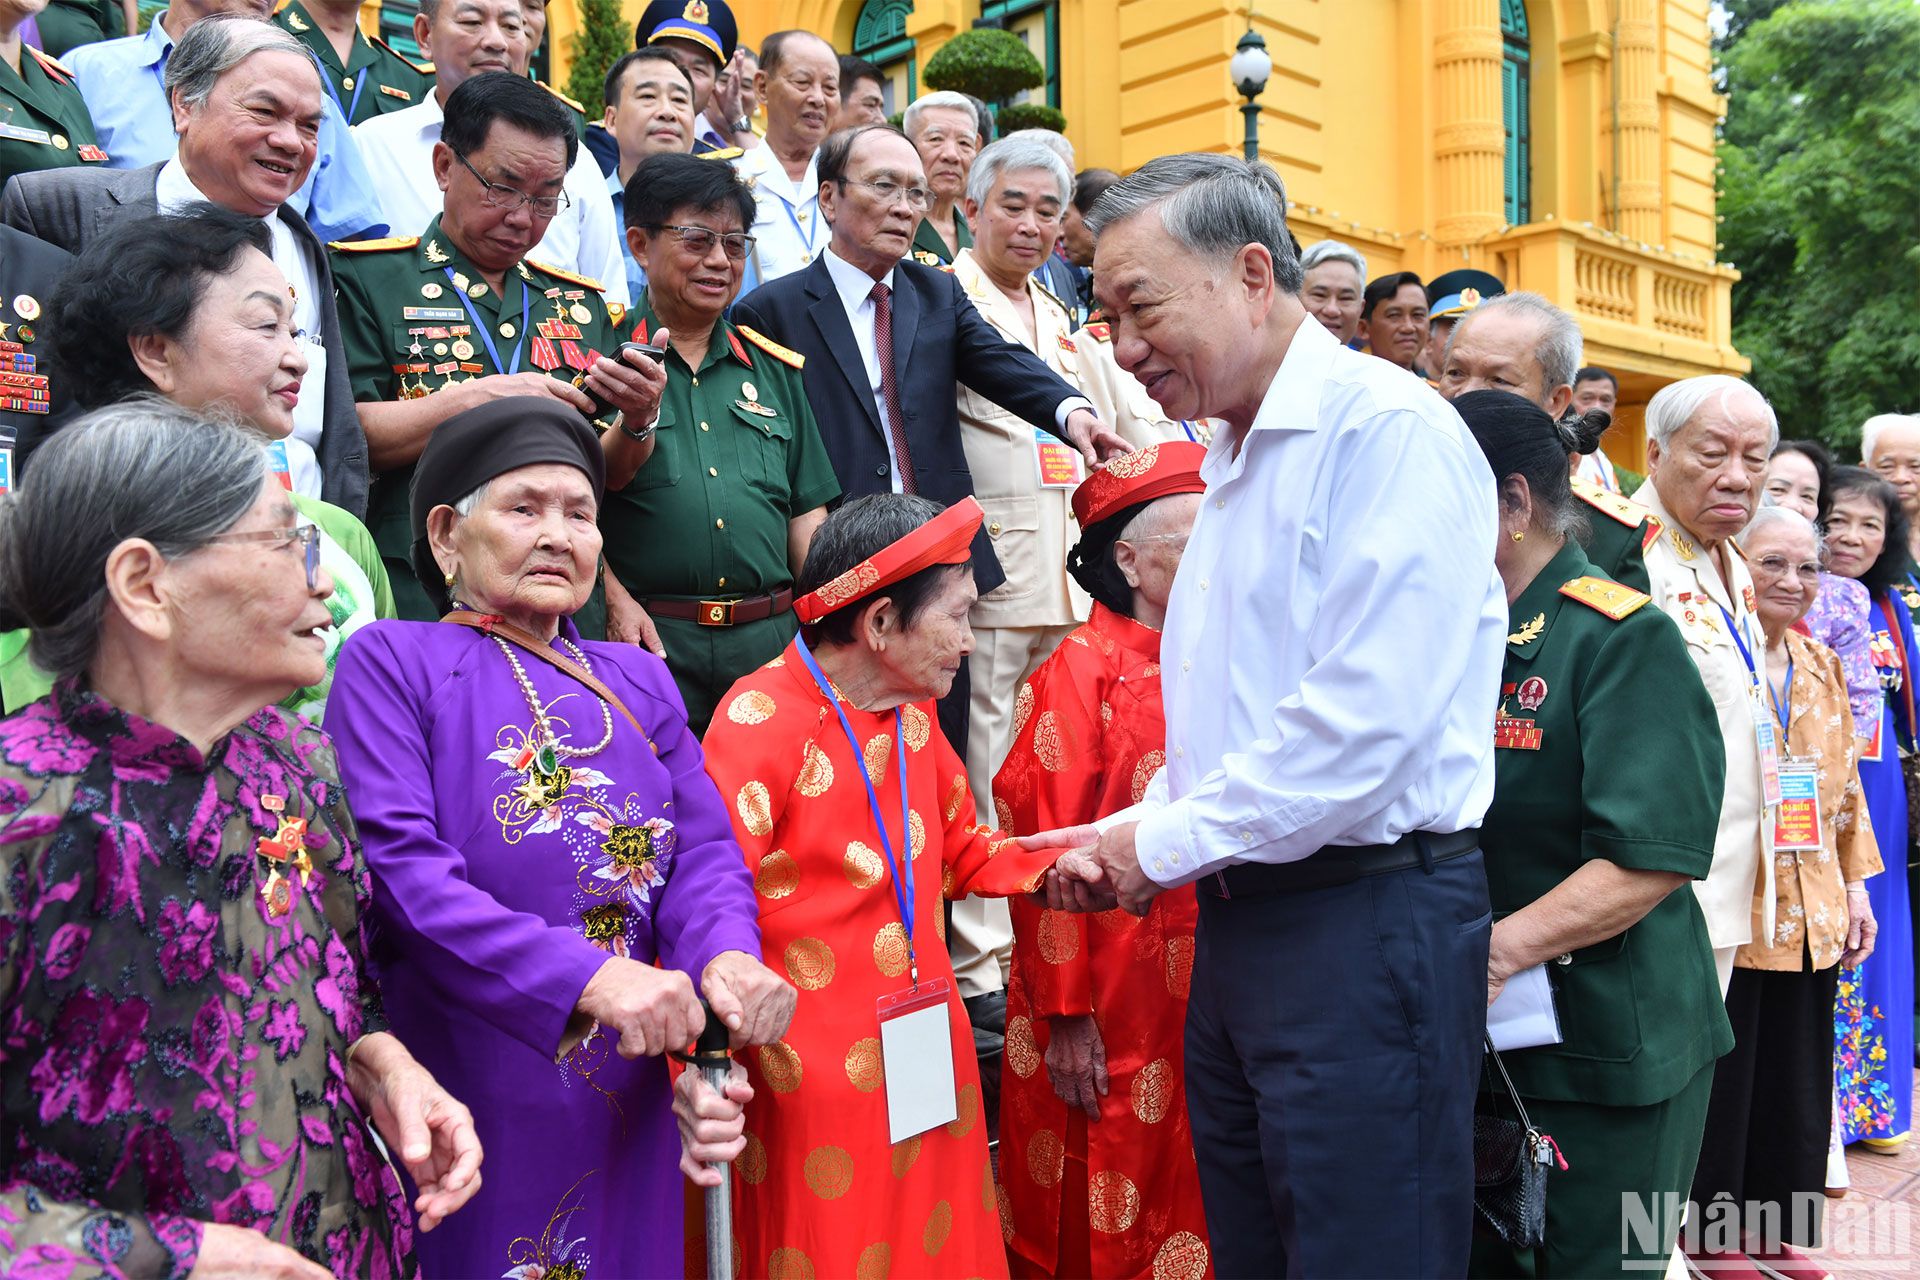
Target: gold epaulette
(374, 246)
(722, 153)
(424, 68)
(616, 313)
(1100, 331)
(1625, 510)
(772, 348)
(581, 108)
(1049, 294)
(568, 276)
(1607, 597)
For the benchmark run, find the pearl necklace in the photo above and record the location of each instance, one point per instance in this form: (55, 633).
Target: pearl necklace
(551, 750)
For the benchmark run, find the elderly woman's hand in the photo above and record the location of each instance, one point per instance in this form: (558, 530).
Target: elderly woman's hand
(652, 1010)
(632, 385)
(1862, 928)
(241, 1253)
(753, 1000)
(713, 1125)
(426, 1126)
(1077, 1063)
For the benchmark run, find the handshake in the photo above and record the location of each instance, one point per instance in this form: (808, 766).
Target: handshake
(1095, 872)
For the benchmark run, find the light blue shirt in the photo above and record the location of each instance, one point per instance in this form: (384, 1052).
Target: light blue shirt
(636, 274)
(122, 82)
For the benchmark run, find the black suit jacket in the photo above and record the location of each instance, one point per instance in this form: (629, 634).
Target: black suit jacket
(69, 207)
(939, 339)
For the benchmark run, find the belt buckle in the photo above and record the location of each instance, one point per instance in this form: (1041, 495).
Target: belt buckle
(716, 613)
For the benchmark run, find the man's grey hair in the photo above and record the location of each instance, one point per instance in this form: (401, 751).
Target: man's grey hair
(216, 45)
(1674, 405)
(1559, 349)
(1771, 513)
(142, 468)
(1326, 251)
(1057, 141)
(1016, 154)
(945, 98)
(1870, 431)
(1213, 206)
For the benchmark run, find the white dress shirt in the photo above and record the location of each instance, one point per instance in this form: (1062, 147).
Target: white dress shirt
(788, 231)
(172, 190)
(1333, 646)
(583, 239)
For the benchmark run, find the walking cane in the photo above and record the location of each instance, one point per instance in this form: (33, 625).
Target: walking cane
(716, 1068)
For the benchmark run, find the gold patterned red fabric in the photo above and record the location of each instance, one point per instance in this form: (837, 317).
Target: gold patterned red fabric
(819, 1191)
(945, 539)
(1120, 1197)
(1141, 476)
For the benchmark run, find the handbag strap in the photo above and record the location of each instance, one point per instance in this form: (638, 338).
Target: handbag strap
(1493, 1054)
(495, 625)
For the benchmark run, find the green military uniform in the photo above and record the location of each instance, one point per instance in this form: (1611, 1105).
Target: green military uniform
(1619, 530)
(375, 80)
(930, 249)
(1579, 775)
(44, 122)
(416, 315)
(738, 455)
(68, 24)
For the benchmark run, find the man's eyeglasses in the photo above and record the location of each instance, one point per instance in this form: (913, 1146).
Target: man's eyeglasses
(919, 197)
(306, 535)
(500, 196)
(699, 240)
(1780, 567)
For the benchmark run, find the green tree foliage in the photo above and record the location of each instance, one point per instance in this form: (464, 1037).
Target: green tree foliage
(1029, 115)
(1821, 200)
(603, 36)
(985, 62)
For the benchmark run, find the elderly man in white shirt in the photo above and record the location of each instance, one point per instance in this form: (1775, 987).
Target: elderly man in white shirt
(1331, 667)
(799, 80)
(465, 38)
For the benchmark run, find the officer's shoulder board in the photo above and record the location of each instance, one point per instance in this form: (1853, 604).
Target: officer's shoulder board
(1606, 597)
(1612, 505)
(722, 153)
(772, 348)
(568, 276)
(1100, 331)
(1049, 294)
(563, 97)
(373, 246)
(52, 66)
(424, 68)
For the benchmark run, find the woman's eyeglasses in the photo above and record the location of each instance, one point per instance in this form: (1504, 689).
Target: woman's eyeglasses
(307, 535)
(1780, 567)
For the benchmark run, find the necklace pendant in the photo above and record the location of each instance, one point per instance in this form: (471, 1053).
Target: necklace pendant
(548, 761)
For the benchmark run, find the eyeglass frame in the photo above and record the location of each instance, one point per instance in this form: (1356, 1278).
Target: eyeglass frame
(1799, 570)
(309, 534)
(561, 202)
(683, 230)
(881, 188)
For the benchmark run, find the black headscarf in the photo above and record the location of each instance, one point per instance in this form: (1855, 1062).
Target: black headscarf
(471, 448)
(1091, 559)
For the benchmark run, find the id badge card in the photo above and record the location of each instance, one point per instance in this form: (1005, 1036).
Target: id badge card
(916, 1052)
(1796, 822)
(1056, 461)
(1871, 746)
(1769, 743)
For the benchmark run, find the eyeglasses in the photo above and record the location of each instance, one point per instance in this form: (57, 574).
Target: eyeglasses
(699, 240)
(919, 197)
(500, 196)
(307, 535)
(1780, 567)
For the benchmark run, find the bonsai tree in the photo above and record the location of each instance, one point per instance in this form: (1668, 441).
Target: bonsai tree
(603, 36)
(1029, 115)
(994, 65)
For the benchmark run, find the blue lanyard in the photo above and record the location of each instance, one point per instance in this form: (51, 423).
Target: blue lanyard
(486, 334)
(806, 237)
(902, 883)
(1739, 638)
(1188, 428)
(1784, 696)
(346, 110)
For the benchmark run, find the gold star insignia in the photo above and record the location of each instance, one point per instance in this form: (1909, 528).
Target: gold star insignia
(1530, 632)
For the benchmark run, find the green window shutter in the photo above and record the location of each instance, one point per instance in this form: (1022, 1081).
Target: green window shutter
(1516, 102)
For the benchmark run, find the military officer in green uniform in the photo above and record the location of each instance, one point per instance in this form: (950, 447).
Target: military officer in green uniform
(1619, 531)
(1608, 772)
(440, 323)
(710, 531)
(365, 76)
(68, 24)
(44, 122)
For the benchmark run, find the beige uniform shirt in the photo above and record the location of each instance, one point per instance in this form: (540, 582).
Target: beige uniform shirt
(1686, 584)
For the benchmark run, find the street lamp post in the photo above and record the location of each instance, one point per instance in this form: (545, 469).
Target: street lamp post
(1250, 68)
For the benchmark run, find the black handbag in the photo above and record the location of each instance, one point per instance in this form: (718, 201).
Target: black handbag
(1510, 1163)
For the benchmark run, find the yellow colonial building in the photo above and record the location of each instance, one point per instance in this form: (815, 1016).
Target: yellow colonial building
(1567, 146)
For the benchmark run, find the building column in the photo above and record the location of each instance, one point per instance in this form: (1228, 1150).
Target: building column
(1636, 117)
(1469, 137)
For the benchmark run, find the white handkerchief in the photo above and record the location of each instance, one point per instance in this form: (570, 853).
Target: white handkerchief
(1522, 1015)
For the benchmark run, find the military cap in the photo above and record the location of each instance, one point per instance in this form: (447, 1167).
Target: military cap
(1453, 294)
(708, 23)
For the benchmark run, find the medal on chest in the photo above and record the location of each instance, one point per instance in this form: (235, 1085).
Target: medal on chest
(1520, 733)
(286, 847)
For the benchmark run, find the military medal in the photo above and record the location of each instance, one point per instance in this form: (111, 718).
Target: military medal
(1516, 734)
(431, 289)
(27, 306)
(460, 280)
(578, 311)
(544, 356)
(1531, 693)
(575, 357)
(478, 289)
(748, 390)
(462, 349)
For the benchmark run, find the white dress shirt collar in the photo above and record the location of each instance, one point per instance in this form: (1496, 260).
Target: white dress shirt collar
(851, 283)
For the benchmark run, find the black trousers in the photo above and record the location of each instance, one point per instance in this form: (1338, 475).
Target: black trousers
(1771, 1115)
(1334, 1041)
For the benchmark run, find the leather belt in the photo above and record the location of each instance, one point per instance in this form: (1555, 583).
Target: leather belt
(1340, 864)
(722, 613)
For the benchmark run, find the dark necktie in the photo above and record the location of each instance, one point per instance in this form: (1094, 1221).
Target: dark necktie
(889, 389)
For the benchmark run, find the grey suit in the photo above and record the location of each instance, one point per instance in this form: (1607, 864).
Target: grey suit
(69, 207)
